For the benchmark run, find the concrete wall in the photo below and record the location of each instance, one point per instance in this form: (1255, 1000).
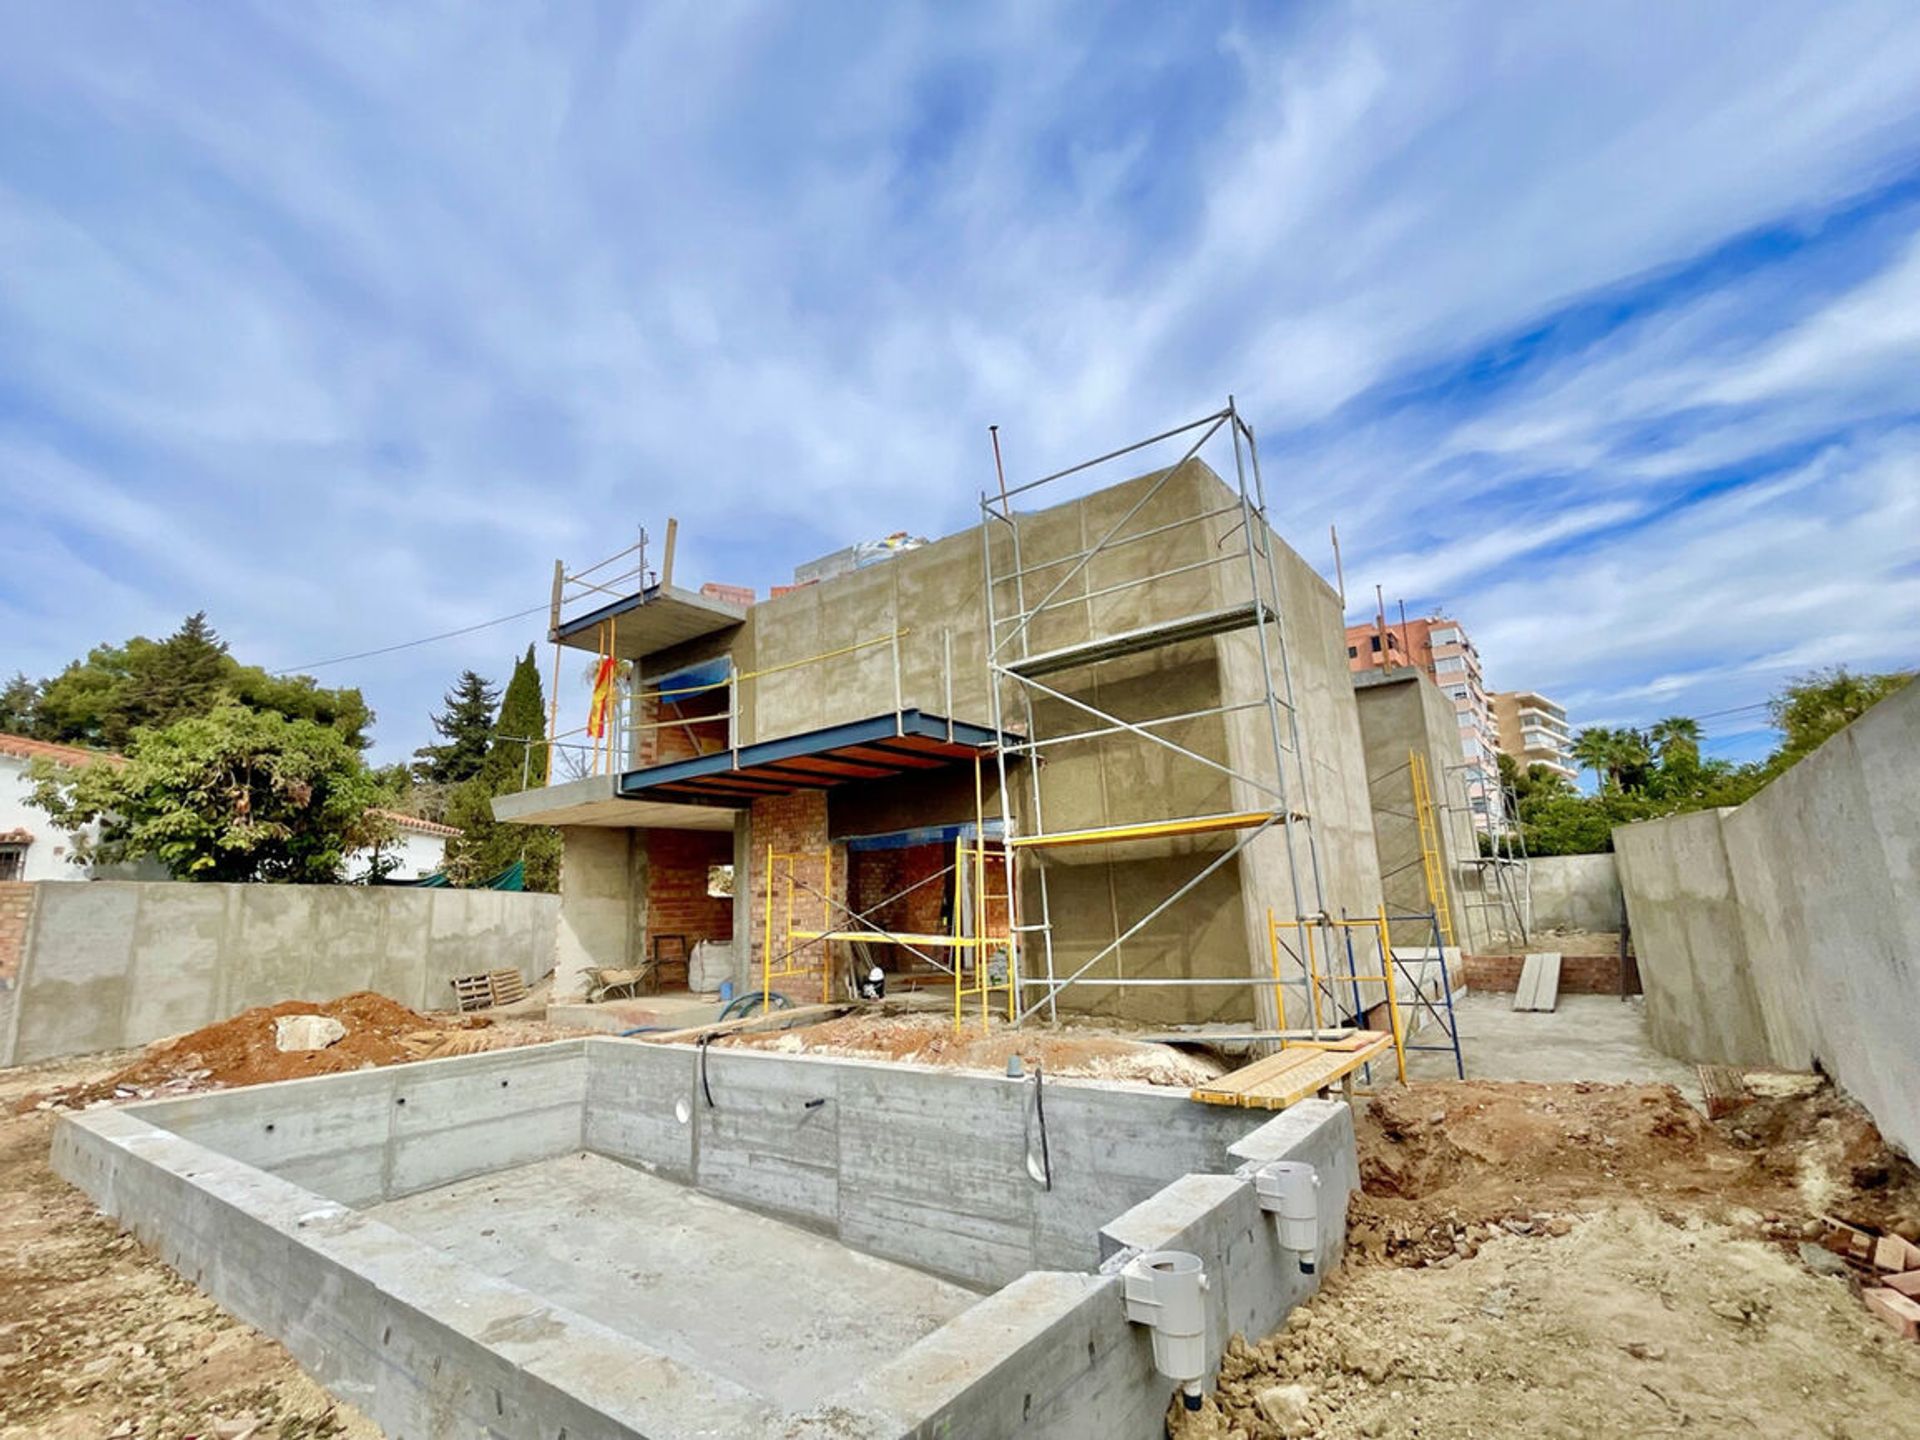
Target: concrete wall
(928, 1167)
(1787, 931)
(1401, 713)
(113, 964)
(1574, 892)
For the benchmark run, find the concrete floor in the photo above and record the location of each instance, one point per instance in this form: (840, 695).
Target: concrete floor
(787, 1313)
(1586, 1037)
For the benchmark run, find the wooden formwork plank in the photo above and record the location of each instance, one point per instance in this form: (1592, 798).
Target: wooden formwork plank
(1293, 1075)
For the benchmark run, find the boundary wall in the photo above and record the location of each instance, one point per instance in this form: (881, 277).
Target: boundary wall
(1786, 931)
(112, 964)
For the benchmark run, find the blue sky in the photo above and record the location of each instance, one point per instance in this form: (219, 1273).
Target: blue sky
(1596, 325)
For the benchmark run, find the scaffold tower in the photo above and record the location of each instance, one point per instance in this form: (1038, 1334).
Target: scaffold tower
(1038, 716)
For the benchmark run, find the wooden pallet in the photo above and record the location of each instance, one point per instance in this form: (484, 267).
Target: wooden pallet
(1297, 1073)
(494, 987)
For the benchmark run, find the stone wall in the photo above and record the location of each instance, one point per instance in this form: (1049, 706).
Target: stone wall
(1787, 931)
(117, 963)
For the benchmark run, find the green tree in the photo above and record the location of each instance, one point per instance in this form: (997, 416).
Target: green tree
(466, 725)
(102, 699)
(1618, 758)
(1676, 740)
(1815, 707)
(234, 794)
(19, 705)
(515, 759)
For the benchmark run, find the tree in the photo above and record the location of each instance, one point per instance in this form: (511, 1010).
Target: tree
(234, 794)
(467, 726)
(117, 689)
(515, 759)
(1676, 740)
(1618, 758)
(1815, 707)
(19, 705)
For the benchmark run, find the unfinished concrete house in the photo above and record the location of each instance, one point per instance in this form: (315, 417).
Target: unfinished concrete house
(1099, 753)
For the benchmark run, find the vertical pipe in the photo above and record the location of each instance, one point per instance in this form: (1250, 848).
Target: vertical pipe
(953, 932)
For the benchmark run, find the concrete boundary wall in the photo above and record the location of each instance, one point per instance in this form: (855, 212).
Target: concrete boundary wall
(1573, 892)
(426, 1345)
(117, 963)
(1787, 931)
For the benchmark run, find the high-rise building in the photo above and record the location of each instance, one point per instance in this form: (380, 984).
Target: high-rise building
(1533, 730)
(1440, 647)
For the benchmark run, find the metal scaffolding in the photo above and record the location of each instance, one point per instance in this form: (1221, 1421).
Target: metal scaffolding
(1020, 698)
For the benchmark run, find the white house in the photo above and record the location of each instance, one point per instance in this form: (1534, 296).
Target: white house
(421, 848)
(31, 848)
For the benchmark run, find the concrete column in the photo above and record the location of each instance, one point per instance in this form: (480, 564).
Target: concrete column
(601, 917)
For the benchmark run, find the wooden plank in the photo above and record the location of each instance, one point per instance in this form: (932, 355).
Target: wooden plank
(1725, 1089)
(1260, 1072)
(1267, 1085)
(1539, 987)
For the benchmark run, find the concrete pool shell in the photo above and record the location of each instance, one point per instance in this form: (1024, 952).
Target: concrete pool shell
(592, 1238)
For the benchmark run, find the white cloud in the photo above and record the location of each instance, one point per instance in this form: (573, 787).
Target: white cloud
(352, 326)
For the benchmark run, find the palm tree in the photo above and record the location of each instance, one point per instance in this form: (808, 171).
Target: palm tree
(1677, 740)
(1597, 748)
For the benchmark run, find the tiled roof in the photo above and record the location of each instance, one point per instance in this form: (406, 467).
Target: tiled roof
(25, 749)
(415, 823)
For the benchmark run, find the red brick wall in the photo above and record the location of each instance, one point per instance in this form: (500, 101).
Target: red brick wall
(677, 899)
(702, 733)
(792, 824)
(877, 874)
(1579, 974)
(16, 913)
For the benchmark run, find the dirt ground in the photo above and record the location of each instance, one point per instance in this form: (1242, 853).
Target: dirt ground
(930, 1039)
(1590, 1260)
(97, 1337)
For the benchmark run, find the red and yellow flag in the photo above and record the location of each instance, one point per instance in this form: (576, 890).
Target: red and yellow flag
(602, 698)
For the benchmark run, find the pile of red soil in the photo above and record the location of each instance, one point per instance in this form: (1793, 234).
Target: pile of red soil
(241, 1049)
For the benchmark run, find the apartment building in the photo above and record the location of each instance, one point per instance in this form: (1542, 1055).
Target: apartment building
(1534, 731)
(1441, 648)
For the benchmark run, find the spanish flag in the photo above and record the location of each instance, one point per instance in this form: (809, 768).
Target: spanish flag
(602, 698)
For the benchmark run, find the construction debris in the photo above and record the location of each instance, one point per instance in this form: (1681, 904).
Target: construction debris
(929, 1039)
(306, 1032)
(246, 1049)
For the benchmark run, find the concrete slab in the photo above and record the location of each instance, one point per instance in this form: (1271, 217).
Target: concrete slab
(1589, 1037)
(790, 1314)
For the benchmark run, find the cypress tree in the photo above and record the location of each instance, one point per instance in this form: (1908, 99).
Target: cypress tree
(515, 760)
